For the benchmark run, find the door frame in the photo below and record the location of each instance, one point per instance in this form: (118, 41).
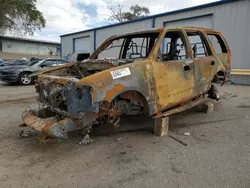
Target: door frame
(203, 65)
(164, 104)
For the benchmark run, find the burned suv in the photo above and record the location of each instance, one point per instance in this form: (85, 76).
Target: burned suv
(149, 72)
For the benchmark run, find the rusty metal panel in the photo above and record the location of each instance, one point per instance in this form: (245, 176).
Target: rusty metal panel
(77, 95)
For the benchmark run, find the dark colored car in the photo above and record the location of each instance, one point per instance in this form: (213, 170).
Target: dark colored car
(20, 73)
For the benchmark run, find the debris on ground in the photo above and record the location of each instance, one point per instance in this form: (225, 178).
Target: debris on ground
(86, 140)
(176, 139)
(187, 134)
(118, 139)
(25, 134)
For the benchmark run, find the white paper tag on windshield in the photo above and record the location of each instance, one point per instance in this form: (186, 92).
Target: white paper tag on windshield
(120, 73)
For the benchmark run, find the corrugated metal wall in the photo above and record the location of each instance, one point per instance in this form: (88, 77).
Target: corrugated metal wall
(232, 19)
(68, 41)
(159, 21)
(7, 55)
(83, 45)
(19, 47)
(202, 21)
(103, 34)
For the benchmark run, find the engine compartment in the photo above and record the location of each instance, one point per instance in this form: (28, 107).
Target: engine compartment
(84, 68)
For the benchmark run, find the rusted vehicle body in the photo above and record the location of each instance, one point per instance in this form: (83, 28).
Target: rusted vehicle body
(149, 72)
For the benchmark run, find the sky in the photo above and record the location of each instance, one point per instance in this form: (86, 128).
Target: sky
(67, 16)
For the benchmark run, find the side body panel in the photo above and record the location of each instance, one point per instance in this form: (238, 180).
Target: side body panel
(173, 84)
(204, 68)
(105, 87)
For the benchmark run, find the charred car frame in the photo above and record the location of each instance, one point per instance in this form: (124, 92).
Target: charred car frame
(148, 72)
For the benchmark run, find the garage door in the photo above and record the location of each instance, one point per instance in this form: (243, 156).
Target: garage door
(203, 21)
(82, 44)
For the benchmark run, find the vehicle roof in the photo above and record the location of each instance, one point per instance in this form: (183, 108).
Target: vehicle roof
(52, 59)
(165, 28)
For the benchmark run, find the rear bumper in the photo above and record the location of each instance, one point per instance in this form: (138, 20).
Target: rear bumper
(50, 126)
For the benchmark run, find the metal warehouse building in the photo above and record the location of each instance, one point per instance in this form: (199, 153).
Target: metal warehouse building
(231, 17)
(16, 47)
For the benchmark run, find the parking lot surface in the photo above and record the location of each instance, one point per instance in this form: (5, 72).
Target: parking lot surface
(217, 152)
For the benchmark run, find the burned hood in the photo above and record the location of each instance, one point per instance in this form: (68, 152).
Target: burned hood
(83, 69)
(97, 64)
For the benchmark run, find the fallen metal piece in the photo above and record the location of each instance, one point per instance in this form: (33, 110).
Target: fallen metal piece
(118, 139)
(25, 134)
(176, 139)
(86, 140)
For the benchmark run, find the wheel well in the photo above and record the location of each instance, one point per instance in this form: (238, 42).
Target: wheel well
(25, 72)
(137, 96)
(221, 73)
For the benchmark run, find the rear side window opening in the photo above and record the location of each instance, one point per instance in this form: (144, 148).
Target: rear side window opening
(218, 43)
(199, 44)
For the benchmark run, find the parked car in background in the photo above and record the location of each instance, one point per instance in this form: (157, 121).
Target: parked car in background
(20, 73)
(4, 61)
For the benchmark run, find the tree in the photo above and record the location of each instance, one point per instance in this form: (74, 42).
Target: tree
(116, 12)
(136, 12)
(21, 16)
(118, 15)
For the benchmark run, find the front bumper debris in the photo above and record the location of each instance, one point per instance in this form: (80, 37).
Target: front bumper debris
(50, 126)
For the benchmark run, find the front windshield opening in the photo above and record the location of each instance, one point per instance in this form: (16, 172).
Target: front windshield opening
(20, 62)
(130, 47)
(113, 50)
(35, 62)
